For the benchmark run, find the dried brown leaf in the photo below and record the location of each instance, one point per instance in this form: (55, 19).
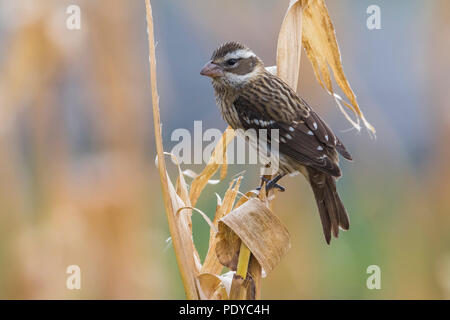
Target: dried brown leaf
(217, 159)
(319, 41)
(192, 263)
(289, 45)
(211, 263)
(191, 174)
(260, 230)
(181, 185)
(212, 287)
(204, 216)
(244, 198)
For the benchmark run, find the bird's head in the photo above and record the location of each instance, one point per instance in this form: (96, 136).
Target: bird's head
(233, 64)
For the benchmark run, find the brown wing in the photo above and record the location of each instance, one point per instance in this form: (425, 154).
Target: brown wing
(268, 103)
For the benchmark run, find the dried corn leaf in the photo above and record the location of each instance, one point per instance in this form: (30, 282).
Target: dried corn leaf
(228, 200)
(217, 159)
(213, 287)
(191, 174)
(180, 229)
(319, 41)
(181, 185)
(289, 45)
(185, 231)
(204, 216)
(211, 263)
(260, 230)
(224, 167)
(182, 200)
(247, 196)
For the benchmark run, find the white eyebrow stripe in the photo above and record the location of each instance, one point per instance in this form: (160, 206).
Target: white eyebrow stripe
(239, 54)
(239, 79)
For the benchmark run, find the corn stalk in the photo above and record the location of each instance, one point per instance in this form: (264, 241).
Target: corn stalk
(186, 275)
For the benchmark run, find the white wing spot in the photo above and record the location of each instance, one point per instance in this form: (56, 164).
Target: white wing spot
(310, 133)
(319, 148)
(315, 125)
(283, 140)
(256, 121)
(288, 136)
(291, 129)
(326, 137)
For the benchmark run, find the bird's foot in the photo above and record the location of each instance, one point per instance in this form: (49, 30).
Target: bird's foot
(271, 184)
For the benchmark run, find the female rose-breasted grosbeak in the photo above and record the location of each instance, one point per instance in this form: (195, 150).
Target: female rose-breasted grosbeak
(250, 97)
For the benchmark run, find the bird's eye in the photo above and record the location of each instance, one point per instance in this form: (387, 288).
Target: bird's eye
(231, 62)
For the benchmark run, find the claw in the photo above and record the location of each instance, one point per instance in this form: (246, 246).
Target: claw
(277, 186)
(271, 184)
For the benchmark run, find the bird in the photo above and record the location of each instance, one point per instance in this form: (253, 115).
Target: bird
(250, 97)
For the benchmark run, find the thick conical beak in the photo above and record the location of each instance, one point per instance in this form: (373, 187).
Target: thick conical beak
(211, 70)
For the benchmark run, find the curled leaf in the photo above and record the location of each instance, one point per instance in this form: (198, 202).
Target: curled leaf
(260, 230)
(204, 216)
(214, 287)
(247, 196)
(319, 41)
(211, 263)
(191, 174)
(308, 22)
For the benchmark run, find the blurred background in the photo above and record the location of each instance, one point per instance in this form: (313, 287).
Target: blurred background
(78, 183)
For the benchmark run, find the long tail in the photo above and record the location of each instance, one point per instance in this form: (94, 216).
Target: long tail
(331, 209)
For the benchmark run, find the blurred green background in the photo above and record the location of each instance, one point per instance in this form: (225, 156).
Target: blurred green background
(78, 184)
